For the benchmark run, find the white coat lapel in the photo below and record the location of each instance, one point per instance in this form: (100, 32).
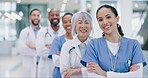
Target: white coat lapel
(32, 35)
(50, 30)
(75, 44)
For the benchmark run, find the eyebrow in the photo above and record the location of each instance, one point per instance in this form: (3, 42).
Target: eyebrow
(105, 16)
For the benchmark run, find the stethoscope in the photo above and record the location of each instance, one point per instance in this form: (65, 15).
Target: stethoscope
(28, 33)
(47, 33)
(70, 50)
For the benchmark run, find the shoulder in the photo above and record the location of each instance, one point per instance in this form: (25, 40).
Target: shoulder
(25, 30)
(96, 40)
(66, 47)
(68, 44)
(129, 40)
(61, 29)
(62, 36)
(59, 37)
(43, 30)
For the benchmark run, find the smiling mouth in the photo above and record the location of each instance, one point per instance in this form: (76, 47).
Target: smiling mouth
(69, 27)
(83, 30)
(106, 27)
(36, 20)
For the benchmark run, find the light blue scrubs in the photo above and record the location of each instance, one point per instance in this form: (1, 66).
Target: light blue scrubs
(129, 52)
(55, 48)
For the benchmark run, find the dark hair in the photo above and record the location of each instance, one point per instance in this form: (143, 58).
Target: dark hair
(67, 14)
(116, 14)
(34, 10)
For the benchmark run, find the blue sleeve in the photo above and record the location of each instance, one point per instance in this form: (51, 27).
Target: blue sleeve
(55, 47)
(90, 54)
(137, 56)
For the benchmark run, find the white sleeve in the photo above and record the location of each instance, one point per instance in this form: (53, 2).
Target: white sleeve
(134, 74)
(94, 75)
(84, 72)
(87, 74)
(23, 48)
(64, 58)
(40, 44)
(56, 60)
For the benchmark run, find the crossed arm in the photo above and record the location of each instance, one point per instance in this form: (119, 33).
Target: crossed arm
(136, 70)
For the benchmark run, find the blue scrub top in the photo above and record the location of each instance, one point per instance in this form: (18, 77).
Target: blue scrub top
(129, 50)
(56, 45)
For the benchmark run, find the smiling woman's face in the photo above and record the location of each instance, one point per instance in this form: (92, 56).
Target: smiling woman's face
(83, 28)
(107, 20)
(66, 20)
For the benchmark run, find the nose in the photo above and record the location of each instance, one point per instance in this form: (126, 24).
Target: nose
(68, 23)
(83, 25)
(104, 21)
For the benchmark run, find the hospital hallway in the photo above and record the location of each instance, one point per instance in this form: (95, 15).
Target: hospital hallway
(11, 66)
(15, 16)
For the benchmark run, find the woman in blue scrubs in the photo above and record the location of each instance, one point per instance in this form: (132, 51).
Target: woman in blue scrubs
(58, 42)
(113, 55)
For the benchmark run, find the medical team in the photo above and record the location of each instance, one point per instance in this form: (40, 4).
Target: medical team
(53, 53)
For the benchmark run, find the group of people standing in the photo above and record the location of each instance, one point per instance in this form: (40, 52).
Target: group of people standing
(71, 52)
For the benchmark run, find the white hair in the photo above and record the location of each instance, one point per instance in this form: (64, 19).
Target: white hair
(83, 16)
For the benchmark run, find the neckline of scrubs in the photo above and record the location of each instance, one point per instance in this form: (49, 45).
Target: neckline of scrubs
(110, 54)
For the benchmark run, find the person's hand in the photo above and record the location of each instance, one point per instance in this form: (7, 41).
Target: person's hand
(71, 71)
(47, 45)
(31, 45)
(59, 53)
(134, 67)
(95, 68)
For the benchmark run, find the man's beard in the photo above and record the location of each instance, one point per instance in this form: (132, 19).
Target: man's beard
(34, 23)
(54, 22)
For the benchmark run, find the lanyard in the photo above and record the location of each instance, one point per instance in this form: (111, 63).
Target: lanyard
(115, 60)
(116, 56)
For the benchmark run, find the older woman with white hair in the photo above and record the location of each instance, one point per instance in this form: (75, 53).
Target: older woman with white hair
(73, 50)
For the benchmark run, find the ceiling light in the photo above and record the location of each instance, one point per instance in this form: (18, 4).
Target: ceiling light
(136, 5)
(65, 1)
(16, 16)
(18, 1)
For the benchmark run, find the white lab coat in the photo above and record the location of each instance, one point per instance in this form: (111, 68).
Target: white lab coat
(29, 55)
(72, 58)
(46, 65)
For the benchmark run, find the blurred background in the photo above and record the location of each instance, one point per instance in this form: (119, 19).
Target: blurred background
(14, 17)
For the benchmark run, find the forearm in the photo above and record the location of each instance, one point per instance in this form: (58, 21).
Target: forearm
(28, 52)
(56, 60)
(25, 50)
(42, 50)
(134, 74)
(78, 71)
